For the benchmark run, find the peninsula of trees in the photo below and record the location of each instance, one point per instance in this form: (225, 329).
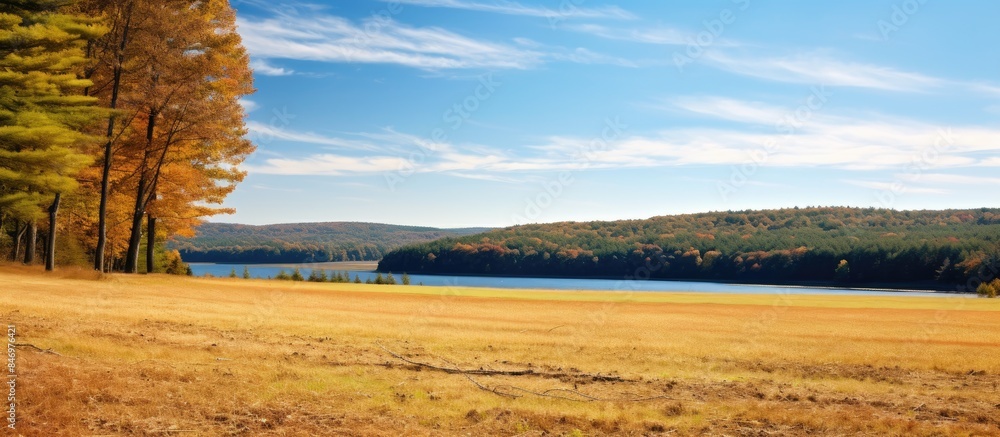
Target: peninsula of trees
(304, 242)
(952, 249)
(120, 126)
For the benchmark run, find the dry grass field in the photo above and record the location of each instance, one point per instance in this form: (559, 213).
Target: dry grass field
(165, 356)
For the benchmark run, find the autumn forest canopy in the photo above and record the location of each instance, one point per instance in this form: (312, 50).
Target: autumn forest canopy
(303, 242)
(120, 127)
(952, 249)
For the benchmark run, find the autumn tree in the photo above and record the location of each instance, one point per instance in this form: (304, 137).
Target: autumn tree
(174, 72)
(197, 71)
(43, 113)
(989, 289)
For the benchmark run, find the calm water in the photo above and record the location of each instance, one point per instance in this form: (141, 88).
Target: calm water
(265, 271)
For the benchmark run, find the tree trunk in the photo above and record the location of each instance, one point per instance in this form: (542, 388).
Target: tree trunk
(141, 200)
(29, 247)
(135, 237)
(19, 236)
(150, 242)
(102, 226)
(50, 244)
(102, 221)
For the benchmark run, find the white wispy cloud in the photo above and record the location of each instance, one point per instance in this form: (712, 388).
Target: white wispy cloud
(263, 133)
(261, 66)
(567, 10)
(328, 38)
(248, 105)
(646, 35)
(581, 55)
(330, 165)
(820, 69)
(728, 109)
(270, 188)
(806, 67)
(949, 179)
(851, 142)
(987, 88)
(895, 187)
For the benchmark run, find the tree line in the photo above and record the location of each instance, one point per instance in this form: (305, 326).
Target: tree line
(953, 248)
(320, 275)
(303, 242)
(119, 120)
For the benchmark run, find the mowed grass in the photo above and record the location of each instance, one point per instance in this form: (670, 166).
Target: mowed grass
(159, 355)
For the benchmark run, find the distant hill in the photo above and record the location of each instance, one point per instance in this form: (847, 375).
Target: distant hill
(303, 242)
(830, 245)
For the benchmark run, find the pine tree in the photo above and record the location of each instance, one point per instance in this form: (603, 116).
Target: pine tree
(406, 279)
(43, 113)
(317, 275)
(297, 275)
(357, 279)
(246, 272)
(174, 265)
(989, 289)
(232, 273)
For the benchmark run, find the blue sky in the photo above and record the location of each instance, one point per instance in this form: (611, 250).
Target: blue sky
(494, 113)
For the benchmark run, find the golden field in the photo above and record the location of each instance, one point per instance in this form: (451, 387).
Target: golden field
(159, 355)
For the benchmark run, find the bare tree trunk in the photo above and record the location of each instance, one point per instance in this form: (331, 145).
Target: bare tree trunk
(102, 226)
(150, 242)
(29, 248)
(50, 244)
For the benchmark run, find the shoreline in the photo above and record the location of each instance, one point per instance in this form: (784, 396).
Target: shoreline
(911, 287)
(371, 266)
(351, 265)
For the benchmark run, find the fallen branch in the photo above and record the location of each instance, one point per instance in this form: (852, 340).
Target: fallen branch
(506, 390)
(44, 351)
(456, 369)
(586, 398)
(489, 389)
(526, 372)
(550, 330)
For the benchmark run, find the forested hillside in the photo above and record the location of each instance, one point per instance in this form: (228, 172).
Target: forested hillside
(958, 248)
(303, 242)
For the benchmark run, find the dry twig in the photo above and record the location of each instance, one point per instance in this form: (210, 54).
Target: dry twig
(44, 351)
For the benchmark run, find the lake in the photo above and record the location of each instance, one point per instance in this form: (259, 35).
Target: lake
(366, 271)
